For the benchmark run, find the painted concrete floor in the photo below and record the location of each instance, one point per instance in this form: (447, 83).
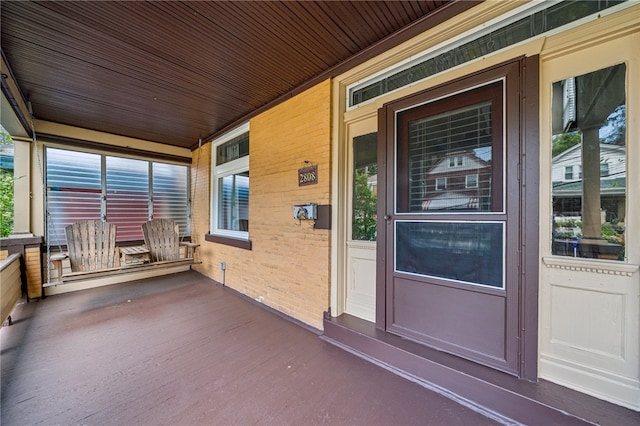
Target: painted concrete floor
(183, 350)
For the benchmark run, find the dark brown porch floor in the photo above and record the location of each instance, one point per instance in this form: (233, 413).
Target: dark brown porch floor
(183, 350)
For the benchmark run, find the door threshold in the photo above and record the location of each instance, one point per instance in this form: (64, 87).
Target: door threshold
(496, 394)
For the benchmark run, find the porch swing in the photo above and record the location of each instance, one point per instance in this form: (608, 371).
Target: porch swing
(92, 251)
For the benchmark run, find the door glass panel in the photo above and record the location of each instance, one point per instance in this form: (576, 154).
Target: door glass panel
(469, 252)
(589, 165)
(365, 187)
(451, 160)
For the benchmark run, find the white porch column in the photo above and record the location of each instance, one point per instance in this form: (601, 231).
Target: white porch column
(22, 188)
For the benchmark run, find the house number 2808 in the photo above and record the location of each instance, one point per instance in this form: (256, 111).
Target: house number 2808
(308, 176)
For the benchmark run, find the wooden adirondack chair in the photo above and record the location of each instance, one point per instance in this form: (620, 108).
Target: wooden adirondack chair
(92, 246)
(162, 238)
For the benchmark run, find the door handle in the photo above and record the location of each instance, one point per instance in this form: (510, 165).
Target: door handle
(387, 217)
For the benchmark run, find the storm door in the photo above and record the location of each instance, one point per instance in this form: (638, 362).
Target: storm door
(451, 214)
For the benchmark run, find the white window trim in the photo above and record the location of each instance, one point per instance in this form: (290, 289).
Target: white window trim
(568, 176)
(466, 181)
(438, 188)
(232, 167)
(448, 45)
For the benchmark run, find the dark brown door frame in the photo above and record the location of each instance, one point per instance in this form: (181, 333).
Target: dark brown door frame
(526, 90)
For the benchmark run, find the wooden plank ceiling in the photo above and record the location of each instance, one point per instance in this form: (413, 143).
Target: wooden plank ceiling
(174, 72)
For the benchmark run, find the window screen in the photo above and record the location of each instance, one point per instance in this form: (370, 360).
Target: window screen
(127, 196)
(74, 190)
(134, 190)
(170, 196)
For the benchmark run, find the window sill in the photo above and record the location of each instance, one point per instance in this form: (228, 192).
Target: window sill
(228, 241)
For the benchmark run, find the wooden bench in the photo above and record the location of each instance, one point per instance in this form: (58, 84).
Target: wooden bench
(92, 250)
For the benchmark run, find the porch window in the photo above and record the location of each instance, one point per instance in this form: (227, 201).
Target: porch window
(365, 187)
(589, 133)
(74, 190)
(230, 208)
(127, 196)
(120, 190)
(168, 183)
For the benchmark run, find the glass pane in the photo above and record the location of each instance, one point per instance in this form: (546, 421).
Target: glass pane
(233, 202)
(469, 252)
(589, 165)
(237, 147)
(540, 22)
(170, 194)
(74, 190)
(127, 196)
(365, 187)
(450, 161)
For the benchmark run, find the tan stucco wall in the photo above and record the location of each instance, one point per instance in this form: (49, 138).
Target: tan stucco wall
(288, 266)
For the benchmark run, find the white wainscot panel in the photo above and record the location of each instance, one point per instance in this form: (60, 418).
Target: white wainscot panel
(361, 280)
(589, 330)
(591, 322)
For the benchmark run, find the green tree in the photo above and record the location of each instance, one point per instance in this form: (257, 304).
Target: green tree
(5, 137)
(364, 209)
(564, 141)
(6, 204)
(6, 190)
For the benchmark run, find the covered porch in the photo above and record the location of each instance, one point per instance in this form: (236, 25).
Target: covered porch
(184, 86)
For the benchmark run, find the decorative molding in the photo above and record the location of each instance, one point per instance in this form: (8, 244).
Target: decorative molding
(366, 245)
(591, 266)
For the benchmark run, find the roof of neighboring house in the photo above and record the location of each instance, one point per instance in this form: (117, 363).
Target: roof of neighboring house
(615, 186)
(576, 149)
(6, 162)
(471, 162)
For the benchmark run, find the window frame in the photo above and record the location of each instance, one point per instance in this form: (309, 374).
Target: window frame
(491, 92)
(358, 229)
(568, 172)
(571, 237)
(229, 168)
(466, 180)
(104, 197)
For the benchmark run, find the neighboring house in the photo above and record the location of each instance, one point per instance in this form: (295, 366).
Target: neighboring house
(567, 165)
(459, 181)
(567, 178)
(372, 184)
